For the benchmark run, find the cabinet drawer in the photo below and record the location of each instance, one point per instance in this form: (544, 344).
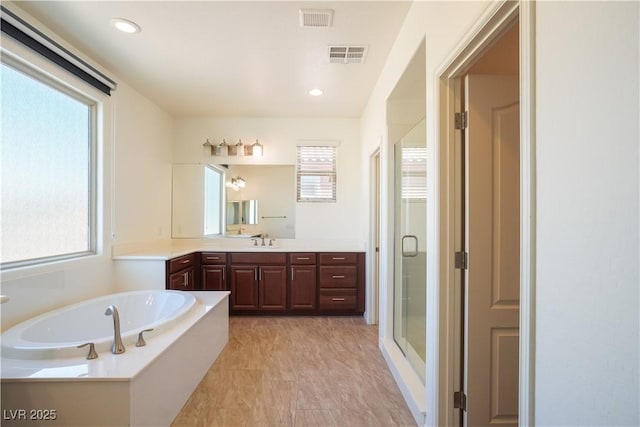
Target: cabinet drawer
(182, 262)
(338, 299)
(338, 258)
(258, 258)
(213, 258)
(182, 281)
(300, 258)
(338, 277)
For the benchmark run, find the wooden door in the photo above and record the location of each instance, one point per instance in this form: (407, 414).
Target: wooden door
(214, 278)
(273, 287)
(493, 241)
(302, 293)
(244, 288)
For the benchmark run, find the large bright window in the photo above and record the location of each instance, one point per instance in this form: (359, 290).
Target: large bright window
(47, 169)
(316, 174)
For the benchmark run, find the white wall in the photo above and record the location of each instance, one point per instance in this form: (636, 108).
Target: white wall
(335, 221)
(587, 315)
(142, 171)
(134, 142)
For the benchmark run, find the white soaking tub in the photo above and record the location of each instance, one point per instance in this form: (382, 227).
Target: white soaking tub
(58, 333)
(142, 387)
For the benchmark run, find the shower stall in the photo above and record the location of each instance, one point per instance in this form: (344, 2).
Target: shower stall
(410, 257)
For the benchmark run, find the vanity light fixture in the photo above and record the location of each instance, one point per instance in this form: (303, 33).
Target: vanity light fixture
(222, 149)
(125, 25)
(239, 149)
(316, 92)
(237, 183)
(257, 149)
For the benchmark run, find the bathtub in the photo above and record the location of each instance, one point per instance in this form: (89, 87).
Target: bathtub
(58, 333)
(128, 389)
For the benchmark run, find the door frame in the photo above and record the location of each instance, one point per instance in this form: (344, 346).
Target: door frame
(373, 291)
(488, 28)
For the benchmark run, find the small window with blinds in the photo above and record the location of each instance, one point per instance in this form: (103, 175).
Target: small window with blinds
(414, 173)
(316, 174)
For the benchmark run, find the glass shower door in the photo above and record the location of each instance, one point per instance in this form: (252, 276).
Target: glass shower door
(410, 257)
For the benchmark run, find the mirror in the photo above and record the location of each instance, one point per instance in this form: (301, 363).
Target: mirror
(242, 212)
(197, 192)
(267, 202)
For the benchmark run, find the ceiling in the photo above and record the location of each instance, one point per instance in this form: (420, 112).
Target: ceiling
(233, 58)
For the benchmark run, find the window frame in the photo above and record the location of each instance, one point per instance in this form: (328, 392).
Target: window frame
(221, 207)
(31, 70)
(300, 172)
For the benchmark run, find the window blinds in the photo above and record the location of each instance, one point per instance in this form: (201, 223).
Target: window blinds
(316, 174)
(414, 173)
(25, 33)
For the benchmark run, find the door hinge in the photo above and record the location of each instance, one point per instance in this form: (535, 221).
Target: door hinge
(462, 260)
(462, 120)
(460, 400)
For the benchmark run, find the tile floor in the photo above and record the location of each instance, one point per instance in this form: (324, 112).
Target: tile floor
(297, 371)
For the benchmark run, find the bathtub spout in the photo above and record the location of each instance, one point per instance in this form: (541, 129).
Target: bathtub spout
(117, 347)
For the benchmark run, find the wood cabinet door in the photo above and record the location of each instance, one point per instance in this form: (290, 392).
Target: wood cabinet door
(214, 278)
(302, 290)
(183, 280)
(244, 288)
(273, 287)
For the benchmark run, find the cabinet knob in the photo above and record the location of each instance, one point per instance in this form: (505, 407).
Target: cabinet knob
(337, 299)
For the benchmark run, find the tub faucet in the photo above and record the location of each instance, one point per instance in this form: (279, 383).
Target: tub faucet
(117, 347)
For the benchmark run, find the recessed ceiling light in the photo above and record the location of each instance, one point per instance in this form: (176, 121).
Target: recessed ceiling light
(125, 25)
(315, 92)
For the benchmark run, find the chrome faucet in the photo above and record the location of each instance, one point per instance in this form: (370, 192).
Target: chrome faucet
(117, 347)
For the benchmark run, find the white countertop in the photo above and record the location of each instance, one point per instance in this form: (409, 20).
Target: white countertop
(178, 247)
(110, 367)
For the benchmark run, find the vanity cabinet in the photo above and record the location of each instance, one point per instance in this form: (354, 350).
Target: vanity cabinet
(181, 273)
(302, 281)
(276, 282)
(341, 280)
(258, 282)
(213, 269)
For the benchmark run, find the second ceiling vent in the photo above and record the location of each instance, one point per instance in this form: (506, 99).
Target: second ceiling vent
(347, 54)
(316, 18)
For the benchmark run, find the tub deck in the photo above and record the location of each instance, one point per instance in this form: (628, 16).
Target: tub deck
(145, 386)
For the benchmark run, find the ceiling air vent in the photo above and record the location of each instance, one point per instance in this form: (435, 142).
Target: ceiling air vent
(347, 54)
(316, 18)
